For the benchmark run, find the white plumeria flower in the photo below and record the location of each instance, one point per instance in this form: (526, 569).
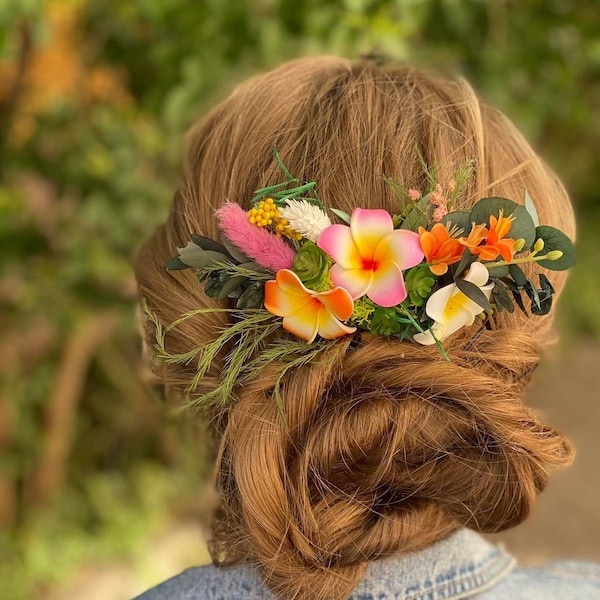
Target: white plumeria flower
(451, 309)
(305, 218)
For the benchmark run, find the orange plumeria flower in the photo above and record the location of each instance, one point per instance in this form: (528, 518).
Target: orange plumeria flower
(440, 248)
(496, 244)
(305, 312)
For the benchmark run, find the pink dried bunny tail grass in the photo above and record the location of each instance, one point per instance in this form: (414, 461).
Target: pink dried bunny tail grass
(265, 248)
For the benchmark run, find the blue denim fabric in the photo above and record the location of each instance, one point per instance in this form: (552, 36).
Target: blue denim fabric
(463, 566)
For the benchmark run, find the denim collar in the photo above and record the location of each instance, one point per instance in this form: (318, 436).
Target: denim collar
(454, 568)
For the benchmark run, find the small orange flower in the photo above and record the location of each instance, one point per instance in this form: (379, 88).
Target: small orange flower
(496, 244)
(440, 248)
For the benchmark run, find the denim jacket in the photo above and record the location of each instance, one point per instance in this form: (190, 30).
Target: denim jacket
(462, 566)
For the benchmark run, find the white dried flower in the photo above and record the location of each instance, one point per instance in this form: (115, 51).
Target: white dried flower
(305, 218)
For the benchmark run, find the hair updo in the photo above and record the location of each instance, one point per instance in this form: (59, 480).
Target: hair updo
(388, 448)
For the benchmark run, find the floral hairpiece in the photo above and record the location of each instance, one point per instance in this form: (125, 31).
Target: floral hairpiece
(420, 274)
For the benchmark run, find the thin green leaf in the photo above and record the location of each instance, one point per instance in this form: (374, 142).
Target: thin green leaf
(474, 293)
(344, 216)
(530, 206)
(465, 262)
(281, 165)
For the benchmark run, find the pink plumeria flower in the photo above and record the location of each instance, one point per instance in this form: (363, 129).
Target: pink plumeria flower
(451, 309)
(370, 256)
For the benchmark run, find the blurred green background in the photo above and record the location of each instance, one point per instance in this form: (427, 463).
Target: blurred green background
(94, 98)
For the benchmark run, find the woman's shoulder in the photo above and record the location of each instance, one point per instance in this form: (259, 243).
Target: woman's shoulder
(211, 583)
(465, 565)
(563, 580)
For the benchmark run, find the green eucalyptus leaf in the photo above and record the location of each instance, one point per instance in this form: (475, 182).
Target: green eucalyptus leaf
(473, 292)
(176, 264)
(231, 286)
(501, 271)
(544, 297)
(530, 206)
(465, 262)
(501, 297)
(519, 300)
(518, 276)
(194, 256)
(344, 216)
(252, 296)
(252, 265)
(534, 296)
(554, 239)
(234, 251)
(523, 225)
(213, 287)
(208, 244)
(460, 219)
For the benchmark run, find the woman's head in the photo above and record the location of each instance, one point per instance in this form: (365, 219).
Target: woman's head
(386, 447)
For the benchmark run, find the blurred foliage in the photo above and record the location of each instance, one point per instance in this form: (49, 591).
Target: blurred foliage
(94, 97)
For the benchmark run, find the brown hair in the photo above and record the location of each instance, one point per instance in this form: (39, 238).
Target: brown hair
(388, 447)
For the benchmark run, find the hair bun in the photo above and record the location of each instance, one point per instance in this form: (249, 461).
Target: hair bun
(387, 448)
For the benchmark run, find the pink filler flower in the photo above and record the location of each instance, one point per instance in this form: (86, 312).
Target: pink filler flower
(370, 256)
(264, 247)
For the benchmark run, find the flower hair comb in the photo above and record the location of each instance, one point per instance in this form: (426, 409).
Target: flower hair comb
(421, 274)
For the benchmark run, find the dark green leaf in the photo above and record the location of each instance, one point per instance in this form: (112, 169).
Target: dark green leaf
(252, 296)
(498, 271)
(231, 286)
(554, 239)
(208, 244)
(518, 276)
(194, 256)
(234, 251)
(176, 264)
(474, 293)
(501, 297)
(541, 299)
(252, 265)
(519, 300)
(213, 287)
(522, 226)
(532, 292)
(545, 295)
(466, 261)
